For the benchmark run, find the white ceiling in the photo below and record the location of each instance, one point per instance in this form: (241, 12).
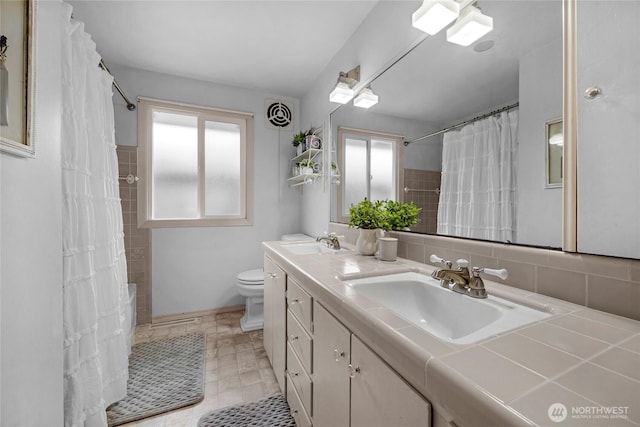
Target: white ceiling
(278, 46)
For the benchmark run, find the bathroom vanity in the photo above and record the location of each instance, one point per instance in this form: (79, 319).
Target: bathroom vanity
(345, 359)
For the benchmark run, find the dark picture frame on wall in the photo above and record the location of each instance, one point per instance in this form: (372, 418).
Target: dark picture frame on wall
(17, 83)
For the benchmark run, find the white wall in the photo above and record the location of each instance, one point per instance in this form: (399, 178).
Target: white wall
(382, 37)
(195, 268)
(539, 210)
(31, 253)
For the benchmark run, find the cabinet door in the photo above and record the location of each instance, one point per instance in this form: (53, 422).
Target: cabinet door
(608, 43)
(267, 331)
(275, 323)
(331, 348)
(379, 397)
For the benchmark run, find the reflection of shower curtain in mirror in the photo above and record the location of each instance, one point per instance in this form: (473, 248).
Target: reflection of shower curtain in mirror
(478, 189)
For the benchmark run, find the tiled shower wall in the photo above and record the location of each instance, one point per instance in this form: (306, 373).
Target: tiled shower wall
(137, 241)
(602, 283)
(424, 189)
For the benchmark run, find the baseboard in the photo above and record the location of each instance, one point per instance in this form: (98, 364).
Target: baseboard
(182, 318)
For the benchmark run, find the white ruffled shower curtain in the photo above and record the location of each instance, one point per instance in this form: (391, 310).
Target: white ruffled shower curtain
(95, 296)
(478, 188)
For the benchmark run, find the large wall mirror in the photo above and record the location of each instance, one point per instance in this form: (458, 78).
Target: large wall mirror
(500, 193)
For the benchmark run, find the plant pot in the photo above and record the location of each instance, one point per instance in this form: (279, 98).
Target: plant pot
(299, 149)
(306, 170)
(367, 242)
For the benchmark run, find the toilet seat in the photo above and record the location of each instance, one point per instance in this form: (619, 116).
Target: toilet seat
(251, 277)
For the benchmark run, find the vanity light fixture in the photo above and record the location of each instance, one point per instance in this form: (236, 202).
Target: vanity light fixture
(343, 91)
(470, 26)
(366, 98)
(434, 15)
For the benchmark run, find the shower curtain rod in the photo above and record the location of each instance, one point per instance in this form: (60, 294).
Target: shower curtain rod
(130, 106)
(466, 122)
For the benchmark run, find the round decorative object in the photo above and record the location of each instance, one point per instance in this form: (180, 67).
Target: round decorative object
(367, 242)
(313, 141)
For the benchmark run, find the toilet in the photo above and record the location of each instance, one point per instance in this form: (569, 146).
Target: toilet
(250, 284)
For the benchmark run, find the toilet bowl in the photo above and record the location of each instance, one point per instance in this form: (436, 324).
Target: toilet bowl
(250, 284)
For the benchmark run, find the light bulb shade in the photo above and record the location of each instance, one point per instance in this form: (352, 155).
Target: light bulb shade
(434, 15)
(341, 94)
(366, 99)
(471, 25)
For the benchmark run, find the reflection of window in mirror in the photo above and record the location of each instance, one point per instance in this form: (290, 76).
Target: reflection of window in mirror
(554, 148)
(369, 167)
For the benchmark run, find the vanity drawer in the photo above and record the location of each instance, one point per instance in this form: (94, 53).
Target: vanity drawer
(299, 378)
(300, 341)
(300, 303)
(295, 404)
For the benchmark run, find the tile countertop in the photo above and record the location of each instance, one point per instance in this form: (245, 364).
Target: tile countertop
(584, 359)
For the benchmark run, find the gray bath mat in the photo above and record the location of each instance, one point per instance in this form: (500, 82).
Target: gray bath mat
(163, 376)
(272, 411)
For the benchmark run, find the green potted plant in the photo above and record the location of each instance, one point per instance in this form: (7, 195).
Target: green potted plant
(299, 141)
(306, 166)
(368, 216)
(400, 215)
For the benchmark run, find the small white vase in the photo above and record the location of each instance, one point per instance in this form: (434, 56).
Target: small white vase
(367, 242)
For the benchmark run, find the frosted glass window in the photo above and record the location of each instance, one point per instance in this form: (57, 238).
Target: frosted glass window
(175, 165)
(193, 165)
(382, 170)
(222, 150)
(355, 173)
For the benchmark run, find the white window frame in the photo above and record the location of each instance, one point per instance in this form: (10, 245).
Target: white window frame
(345, 132)
(146, 107)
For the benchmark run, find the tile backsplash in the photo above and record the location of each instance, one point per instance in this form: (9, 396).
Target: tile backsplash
(137, 241)
(599, 282)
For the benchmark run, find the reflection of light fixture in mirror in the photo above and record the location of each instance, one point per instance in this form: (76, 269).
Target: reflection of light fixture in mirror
(556, 139)
(434, 15)
(471, 25)
(366, 98)
(343, 91)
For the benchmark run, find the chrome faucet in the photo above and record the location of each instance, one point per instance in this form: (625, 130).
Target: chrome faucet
(331, 239)
(461, 280)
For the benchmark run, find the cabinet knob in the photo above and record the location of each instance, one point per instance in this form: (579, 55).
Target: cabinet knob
(293, 337)
(338, 354)
(353, 370)
(294, 301)
(592, 93)
(272, 275)
(295, 374)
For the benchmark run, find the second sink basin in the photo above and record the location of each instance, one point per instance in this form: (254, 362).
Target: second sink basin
(450, 316)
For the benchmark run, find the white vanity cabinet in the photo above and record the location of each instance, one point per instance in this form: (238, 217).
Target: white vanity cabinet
(299, 352)
(354, 387)
(275, 312)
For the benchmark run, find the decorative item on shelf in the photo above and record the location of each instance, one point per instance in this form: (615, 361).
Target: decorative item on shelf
(305, 140)
(368, 216)
(307, 166)
(299, 142)
(312, 140)
(400, 215)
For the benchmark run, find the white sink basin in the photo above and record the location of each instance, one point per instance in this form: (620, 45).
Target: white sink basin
(310, 248)
(450, 316)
